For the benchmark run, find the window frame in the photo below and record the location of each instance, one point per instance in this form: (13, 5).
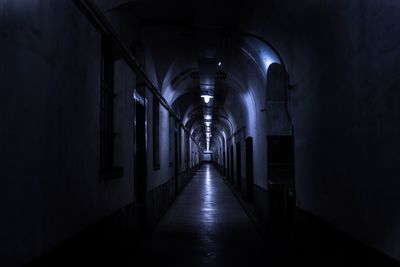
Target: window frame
(108, 169)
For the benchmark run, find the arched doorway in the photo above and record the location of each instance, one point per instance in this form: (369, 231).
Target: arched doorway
(280, 148)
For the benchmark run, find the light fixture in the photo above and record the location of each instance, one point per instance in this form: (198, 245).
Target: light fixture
(207, 117)
(207, 98)
(219, 63)
(208, 123)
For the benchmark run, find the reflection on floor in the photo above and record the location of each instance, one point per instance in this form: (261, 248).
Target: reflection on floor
(207, 226)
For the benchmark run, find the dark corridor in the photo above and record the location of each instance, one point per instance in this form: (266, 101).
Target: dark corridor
(199, 133)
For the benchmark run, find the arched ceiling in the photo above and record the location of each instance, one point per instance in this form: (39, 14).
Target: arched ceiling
(195, 49)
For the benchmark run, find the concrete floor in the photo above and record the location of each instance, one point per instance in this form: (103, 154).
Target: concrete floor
(206, 226)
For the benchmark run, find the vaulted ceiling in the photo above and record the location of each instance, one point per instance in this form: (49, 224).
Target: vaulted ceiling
(196, 48)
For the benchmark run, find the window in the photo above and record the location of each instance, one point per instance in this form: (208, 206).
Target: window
(156, 133)
(107, 97)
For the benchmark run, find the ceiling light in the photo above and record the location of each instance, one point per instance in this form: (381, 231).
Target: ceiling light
(208, 123)
(219, 63)
(207, 117)
(207, 98)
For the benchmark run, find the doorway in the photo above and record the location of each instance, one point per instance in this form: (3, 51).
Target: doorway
(140, 179)
(281, 179)
(176, 160)
(224, 164)
(238, 167)
(249, 169)
(228, 164)
(232, 167)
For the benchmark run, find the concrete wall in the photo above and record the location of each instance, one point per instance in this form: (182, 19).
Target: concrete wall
(49, 113)
(50, 129)
(163, 185)
(344, 58)
(160, 175)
